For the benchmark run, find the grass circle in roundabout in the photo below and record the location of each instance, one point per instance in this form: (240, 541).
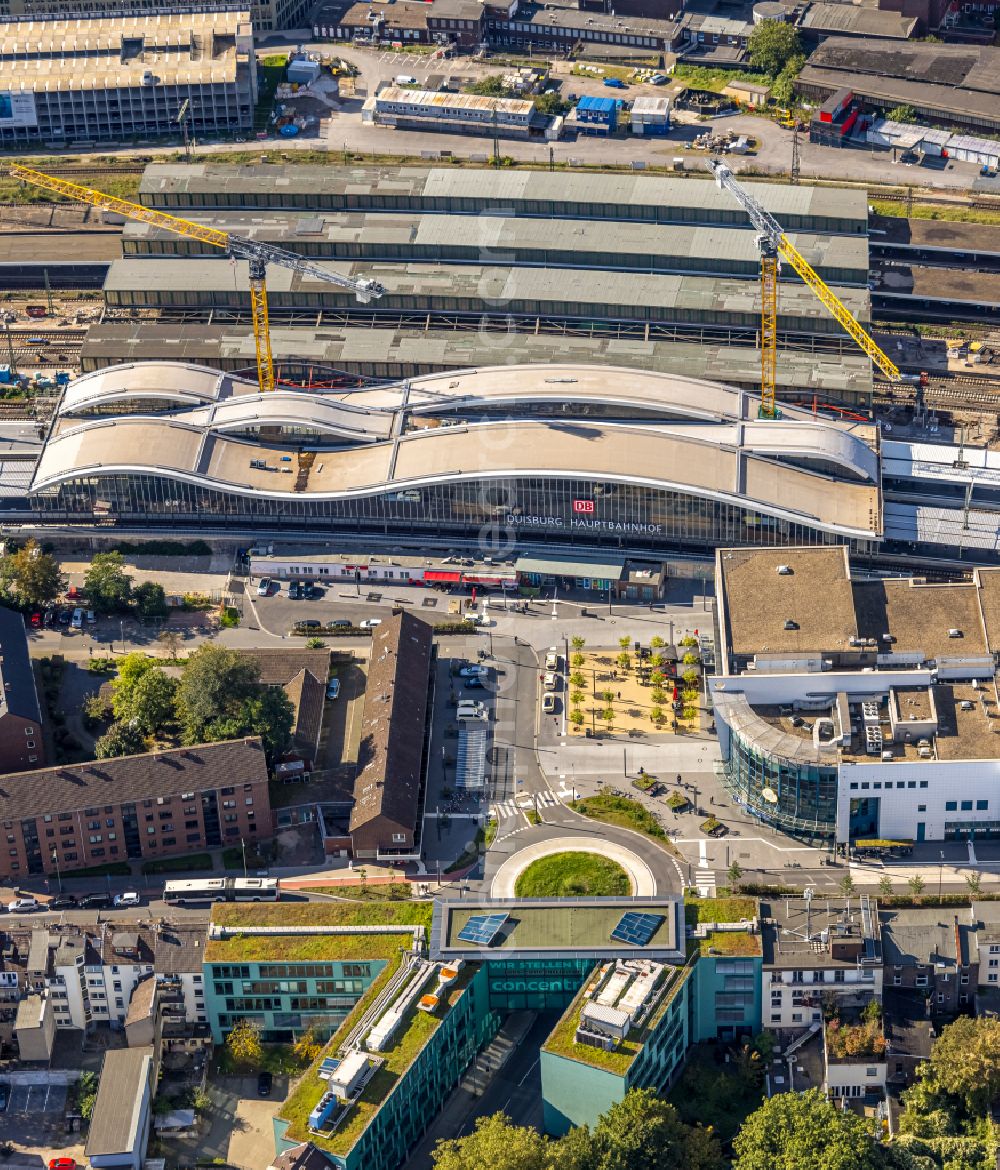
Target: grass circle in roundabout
(576, 874)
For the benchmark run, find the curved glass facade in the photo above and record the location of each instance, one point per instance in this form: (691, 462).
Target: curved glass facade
(798, 795)
(499, 511)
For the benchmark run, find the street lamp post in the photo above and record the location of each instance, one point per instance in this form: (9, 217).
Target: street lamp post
(55, 858)
(940, 873)
(243, 846)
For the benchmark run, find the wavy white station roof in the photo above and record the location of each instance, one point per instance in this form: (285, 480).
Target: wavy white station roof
(697, 437)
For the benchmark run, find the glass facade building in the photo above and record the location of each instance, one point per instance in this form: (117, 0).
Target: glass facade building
(498, 510)
(779, 778)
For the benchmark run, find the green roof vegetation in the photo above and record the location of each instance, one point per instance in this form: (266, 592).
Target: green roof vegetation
(727, 942)
(250, 948)
(562, 1038)
(416, 1030)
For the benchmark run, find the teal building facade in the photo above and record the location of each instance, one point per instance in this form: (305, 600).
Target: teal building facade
(726, 997)
(287, 998)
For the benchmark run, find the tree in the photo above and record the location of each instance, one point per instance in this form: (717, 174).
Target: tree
(86, 1090)
(577, 660)
(576, 716)
(497, 1143)
(644, 1132)
(577, 679)
(148, 703)
(608, 715)
(120, 740)
(624, 642)
(306, 1047)
(551, 103)
(974, 881)
(215, 683)
(150, 599)
(608, 697)
(965, 1063)
(578, 642)
(576, 698)
(846, 885)
(735, 873)
(243, 1043)
(902, 114)
(30, 577)
(805, 1131)
(656, 714)
(270, 715)
(107, 584)
(658, 695)
(783, 88)
(885, 885)
(916, 884)
(171, 640)
(772, 44)
(656, 642)
(624, 660)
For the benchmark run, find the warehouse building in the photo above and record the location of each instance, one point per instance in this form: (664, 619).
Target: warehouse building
(318, 355)
(93, 79)
(458, 22)
(457, 191)
(461, 239)
(456, 113)
(949, 85)
(475, 290)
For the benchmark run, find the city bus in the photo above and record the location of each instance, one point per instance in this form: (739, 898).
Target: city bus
(222, 889)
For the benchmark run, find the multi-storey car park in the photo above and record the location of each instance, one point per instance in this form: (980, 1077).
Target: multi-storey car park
(99, 77)
(857, 709)
(582, 453)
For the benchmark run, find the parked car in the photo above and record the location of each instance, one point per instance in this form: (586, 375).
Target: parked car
(91, 617)
(62, 1164)
(549, 703)
(36, 621)
(309, 625)
(264, 587)
(341, 624)
(95, 901)
(333, 688)
(369, 623)
(552, 659)
(657, 79)
(551, 680)
(62, 902)
(22, 906)
(293, 591)
(77, 620)
(614, 83)
(472, 671)
(129, 898)
(472, 683)
(65, 616)
(264, 1083)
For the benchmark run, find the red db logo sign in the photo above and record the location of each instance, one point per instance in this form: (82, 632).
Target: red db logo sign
(583, 506)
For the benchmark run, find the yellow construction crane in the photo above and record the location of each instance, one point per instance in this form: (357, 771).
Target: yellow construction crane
(258, 255)
(772, 243)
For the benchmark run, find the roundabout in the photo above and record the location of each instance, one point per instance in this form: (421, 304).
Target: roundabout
(638, 873)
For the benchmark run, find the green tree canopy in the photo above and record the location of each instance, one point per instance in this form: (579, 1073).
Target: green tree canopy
(150, 599)
(783, 89)
(147, 702)
(495, 1143)
(902, 114)
(220, 696)
(107, 584)
(121, 739)
(772, 44)
(805, 1131)
(965, 1063)
(31, 577)
(644, 1132)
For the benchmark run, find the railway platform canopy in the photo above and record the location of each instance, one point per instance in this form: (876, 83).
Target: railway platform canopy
(595, 452)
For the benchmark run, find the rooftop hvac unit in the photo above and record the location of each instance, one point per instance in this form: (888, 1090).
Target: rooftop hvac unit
(954, 633)
(784, 570)
(148, 78)
(966, 704)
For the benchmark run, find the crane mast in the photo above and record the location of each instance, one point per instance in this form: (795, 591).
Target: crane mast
(772, 243)
(255, 252)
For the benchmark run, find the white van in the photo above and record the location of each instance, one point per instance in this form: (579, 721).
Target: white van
(77, 622)
(471, 709)
(404, 79)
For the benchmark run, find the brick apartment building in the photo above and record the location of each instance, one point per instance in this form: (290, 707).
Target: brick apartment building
(21, 743)
(160, 803)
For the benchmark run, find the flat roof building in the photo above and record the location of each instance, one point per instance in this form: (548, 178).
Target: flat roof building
(119, 1126)
(453, 112)
(471, 191)
(266, 15)
(951, 85)
(864, 709)
(94, 78)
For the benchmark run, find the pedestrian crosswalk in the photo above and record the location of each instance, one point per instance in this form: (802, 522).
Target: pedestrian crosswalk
(540, 800)
(704, 880)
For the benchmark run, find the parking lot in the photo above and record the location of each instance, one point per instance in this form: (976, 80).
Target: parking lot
(34, 1123)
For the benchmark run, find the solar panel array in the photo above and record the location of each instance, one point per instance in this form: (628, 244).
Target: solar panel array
(482, 929)
(636, 930)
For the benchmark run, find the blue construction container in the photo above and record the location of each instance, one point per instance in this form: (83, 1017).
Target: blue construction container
(598, 112)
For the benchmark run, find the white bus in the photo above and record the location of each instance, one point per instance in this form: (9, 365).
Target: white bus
(222, 889)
